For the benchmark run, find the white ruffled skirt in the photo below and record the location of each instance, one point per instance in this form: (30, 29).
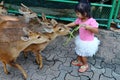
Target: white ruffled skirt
(86, 48)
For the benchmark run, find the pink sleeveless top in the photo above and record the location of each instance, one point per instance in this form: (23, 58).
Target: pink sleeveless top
(84, 34)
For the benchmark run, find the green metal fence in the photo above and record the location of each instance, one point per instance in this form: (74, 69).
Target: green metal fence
(103, 13)
(63, 10)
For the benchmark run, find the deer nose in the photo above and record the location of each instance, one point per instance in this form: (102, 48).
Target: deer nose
(70, 29)
(39, 37)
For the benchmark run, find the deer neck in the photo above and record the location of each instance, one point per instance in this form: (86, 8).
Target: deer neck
(14, 48)
(21, 45)
(52, 35)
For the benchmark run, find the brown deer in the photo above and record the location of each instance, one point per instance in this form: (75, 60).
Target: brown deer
(18, 24)
(28, 14)
(57, 30)
(3, 14)
(3, 10)
(13, 41)
(52, 30)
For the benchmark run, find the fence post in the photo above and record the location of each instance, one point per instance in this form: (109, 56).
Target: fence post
(111, 14)
(117, 10)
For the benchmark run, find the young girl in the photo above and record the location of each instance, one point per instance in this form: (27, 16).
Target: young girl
(86, 43)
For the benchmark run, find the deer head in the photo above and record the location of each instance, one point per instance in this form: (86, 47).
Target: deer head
(3, 11)
(29, 35)
(27, 13)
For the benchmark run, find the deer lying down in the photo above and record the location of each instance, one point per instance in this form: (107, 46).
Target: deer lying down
(10, 50)
(57, 30)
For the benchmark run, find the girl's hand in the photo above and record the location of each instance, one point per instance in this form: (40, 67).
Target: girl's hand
(82, 25)
(92, 29)
(87, 27)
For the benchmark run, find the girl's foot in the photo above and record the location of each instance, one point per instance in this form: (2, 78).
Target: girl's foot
(83, 68)
(77, 63)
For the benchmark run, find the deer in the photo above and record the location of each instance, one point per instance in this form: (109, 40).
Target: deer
(18, 25)
(13, 40)
(57, 30)
(3, 10)
(52, 30)
(28, 15)
(31, 17)
(4, 14)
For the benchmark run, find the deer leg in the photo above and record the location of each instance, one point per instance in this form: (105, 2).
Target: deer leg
(36, 55)
(38, 59)
(13, 64)
(5, 69)
(25, 54)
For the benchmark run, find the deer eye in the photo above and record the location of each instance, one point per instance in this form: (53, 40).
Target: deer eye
(49, 24)
(39, 37)
(60, 29)
(30, 12)
(26, 36)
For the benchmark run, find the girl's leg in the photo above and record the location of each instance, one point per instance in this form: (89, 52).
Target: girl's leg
(78, 61)
(84, 60)
(79, 58)
(85, 66)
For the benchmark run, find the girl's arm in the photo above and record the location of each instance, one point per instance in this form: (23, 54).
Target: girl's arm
(71, 24)
(92, 29)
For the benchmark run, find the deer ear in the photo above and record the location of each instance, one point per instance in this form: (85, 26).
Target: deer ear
(53, 22)
(2, 3)
(49, 30)
(26, 31)
(24, 38)
(44, 17)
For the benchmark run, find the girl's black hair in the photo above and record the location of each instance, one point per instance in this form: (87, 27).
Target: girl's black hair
(84, 8)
